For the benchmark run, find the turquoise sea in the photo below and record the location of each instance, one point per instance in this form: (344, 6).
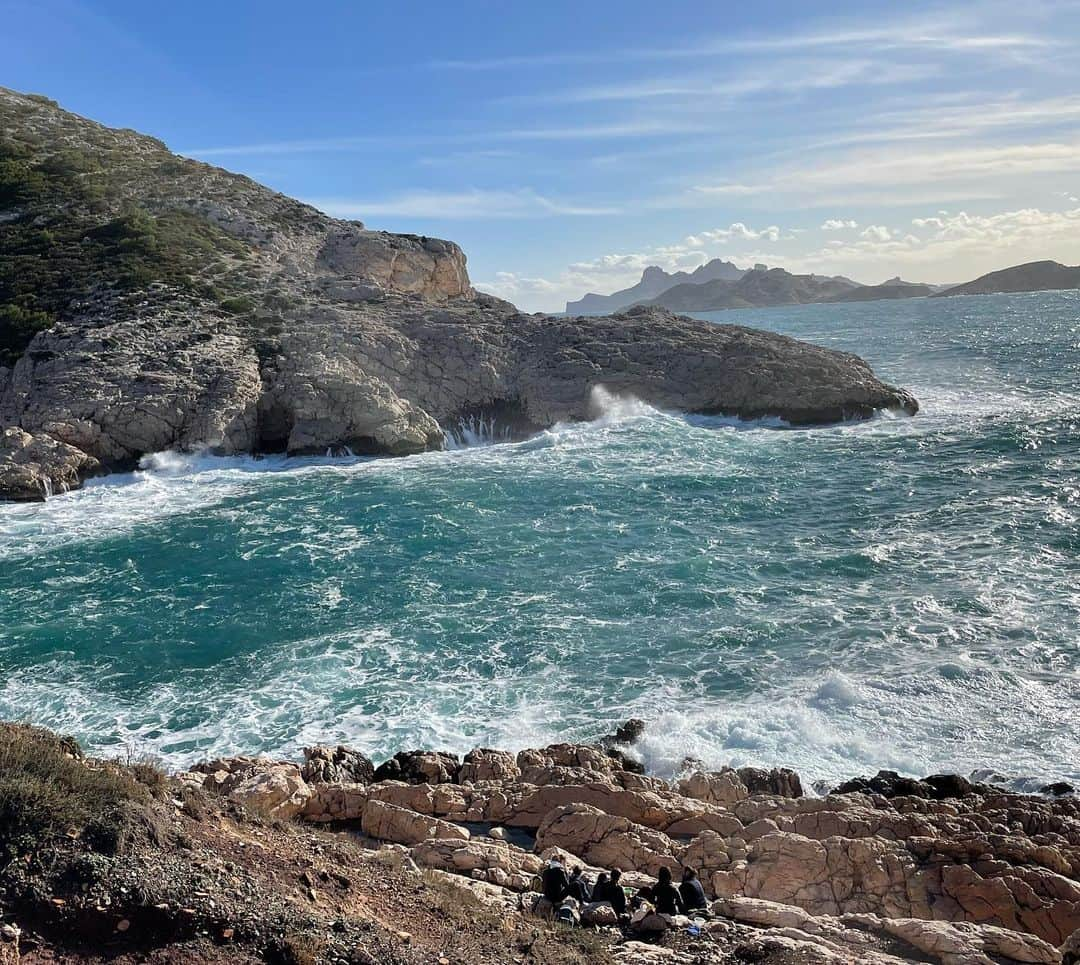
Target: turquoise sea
(902, 592)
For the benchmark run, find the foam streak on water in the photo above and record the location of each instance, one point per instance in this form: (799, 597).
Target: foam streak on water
(896, 593)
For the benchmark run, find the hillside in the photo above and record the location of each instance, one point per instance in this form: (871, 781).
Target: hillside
(757, 288)
(654, 280)
(1033, 277)
(149, 302)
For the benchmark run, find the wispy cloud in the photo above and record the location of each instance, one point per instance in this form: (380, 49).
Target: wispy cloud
(460, 205)
(950, 33)
(616, 130)
(738, 84)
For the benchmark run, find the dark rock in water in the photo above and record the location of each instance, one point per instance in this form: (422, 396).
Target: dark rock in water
(1057, 789)
(630, 731)
(336, 765)
(420, 767)
(936, 787)
(625, 734)
(950, 785)
(781, 781)
(887, 784)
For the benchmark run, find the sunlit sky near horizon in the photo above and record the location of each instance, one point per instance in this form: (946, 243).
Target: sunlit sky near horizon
(568, 145)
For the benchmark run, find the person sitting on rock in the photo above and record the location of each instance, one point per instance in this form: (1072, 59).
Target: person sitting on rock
(665, 896)
(611, 892)
(578, 887)
(693, 895)
(556, 884)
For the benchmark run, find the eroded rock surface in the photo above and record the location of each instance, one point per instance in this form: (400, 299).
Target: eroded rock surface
(283, 329)
(982, 877)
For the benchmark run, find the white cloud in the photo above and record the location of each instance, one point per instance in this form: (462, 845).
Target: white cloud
(839, 224)
(952, 248)
(876, 232)
(957, 247)
(737, 231)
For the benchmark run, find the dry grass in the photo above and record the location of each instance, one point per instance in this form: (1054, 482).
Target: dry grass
(47, 792)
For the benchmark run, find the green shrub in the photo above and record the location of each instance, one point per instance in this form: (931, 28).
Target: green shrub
(47, 794)
(238, 305)
(18, 326)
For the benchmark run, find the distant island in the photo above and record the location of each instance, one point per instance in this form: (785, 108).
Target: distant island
(1036, 276)
(719, 285)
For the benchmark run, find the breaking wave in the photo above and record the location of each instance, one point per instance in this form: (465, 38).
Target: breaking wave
(892, 593)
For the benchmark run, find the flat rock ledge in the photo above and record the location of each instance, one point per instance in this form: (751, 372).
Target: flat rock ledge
(938, 870)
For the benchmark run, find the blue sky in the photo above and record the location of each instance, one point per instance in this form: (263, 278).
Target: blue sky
(567, 145)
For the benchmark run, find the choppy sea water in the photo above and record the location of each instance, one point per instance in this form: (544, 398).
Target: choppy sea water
(902, 592)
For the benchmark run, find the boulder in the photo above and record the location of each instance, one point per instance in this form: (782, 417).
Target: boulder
(336, 765)
(482, 764)
(717, 787)
(964, 943)
(276, 790)
(607, 841)
(388, 822)
(781, 781)
(599, 913)
(479, 855)
(419, 767)
(1070, 949)
(35, 466)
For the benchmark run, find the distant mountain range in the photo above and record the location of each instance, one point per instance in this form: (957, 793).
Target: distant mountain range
(720, 284)
(654, 281)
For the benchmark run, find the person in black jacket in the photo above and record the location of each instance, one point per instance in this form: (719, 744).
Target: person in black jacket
(693, 895)
(665, 896)
(556, 884)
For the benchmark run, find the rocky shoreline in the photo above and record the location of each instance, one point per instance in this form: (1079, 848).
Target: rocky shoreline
(179, 306)
(882, 870)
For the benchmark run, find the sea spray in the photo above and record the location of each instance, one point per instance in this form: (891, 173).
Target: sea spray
(893, 593)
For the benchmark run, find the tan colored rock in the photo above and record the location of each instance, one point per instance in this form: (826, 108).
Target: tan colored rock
(607, 841)
(388, 822)
(482, 764)
(276, 790)
(33, 467)
(717, 787)
(477, 854)
(969, 944)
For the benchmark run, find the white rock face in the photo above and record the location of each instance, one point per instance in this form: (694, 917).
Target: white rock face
(298, 332)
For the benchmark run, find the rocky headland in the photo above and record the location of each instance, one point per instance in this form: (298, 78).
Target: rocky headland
(151, 302)
(432, 858)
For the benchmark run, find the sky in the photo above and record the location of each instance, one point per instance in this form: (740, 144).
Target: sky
(567, 145)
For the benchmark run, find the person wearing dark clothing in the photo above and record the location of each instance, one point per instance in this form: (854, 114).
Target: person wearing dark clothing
(665, 896)
(608, 889)
(693, 895)
(556, 884)
(616, 895)
(578, 887)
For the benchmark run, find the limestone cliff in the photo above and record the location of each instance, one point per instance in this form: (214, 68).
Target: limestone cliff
(150, 302)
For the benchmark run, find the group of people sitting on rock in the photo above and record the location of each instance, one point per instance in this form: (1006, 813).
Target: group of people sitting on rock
(566, 895)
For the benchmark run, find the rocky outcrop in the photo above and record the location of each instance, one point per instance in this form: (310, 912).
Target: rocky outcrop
(951, 871)
(318, 334)
(33, 467)
(336, 765)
